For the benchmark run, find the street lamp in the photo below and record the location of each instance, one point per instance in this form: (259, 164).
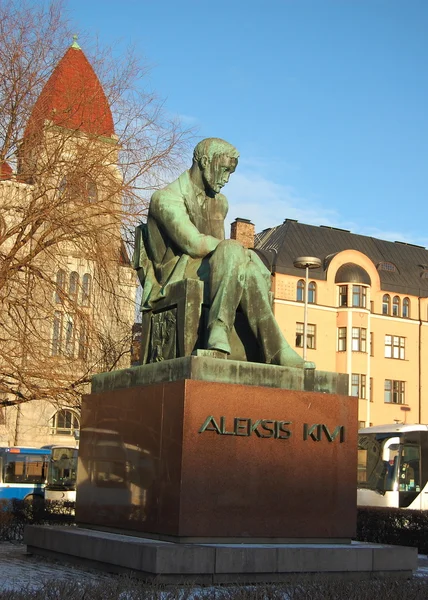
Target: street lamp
(306, 262)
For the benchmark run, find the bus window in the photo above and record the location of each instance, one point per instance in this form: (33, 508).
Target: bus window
(377, 462)
(62, 467)
(25, 468)
(409, 479)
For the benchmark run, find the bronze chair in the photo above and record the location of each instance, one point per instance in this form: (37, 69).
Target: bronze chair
(176, 325)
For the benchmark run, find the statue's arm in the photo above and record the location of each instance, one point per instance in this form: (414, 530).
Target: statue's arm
(171, 214)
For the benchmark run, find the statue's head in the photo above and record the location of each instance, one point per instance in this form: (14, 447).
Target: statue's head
(217, 160)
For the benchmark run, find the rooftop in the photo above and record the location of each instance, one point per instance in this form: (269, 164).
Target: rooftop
(73, 98)
(283, 243)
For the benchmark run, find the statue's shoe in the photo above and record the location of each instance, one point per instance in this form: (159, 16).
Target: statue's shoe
(218, 339)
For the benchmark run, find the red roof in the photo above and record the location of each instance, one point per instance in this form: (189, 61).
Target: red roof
(73, 98)
(5, 170)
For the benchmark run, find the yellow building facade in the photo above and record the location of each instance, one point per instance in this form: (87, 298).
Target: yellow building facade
(367, 313)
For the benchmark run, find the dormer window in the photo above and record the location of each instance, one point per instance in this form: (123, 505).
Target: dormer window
(387, 266)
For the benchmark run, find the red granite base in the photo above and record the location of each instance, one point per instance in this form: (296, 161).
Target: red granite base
(199, 460)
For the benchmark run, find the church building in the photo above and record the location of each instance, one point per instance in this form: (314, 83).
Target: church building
(69, 305)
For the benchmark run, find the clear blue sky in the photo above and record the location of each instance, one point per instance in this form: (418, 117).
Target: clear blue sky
(326, 100)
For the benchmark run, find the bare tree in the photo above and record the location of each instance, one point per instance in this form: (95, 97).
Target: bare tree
(66, 288)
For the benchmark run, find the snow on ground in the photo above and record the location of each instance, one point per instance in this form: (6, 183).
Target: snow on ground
(20, 570)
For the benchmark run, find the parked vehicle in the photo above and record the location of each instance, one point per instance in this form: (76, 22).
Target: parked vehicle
(62, 474)
(23, 473)
(393, 466)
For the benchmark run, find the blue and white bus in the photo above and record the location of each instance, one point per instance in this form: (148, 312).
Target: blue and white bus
(23, 473)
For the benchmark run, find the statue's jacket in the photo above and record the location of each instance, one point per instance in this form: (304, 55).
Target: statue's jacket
(183, 228)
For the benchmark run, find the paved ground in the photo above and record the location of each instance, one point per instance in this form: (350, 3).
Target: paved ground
(19, 569)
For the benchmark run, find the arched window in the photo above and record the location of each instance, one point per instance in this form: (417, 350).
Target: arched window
(65, 422)
(86, 289)
(300, 296)
(312, 292)
(406, 308)
(60, 286)
(396, 306)
(73, 285)
(387, 266)
(386, 305)
(92, 192)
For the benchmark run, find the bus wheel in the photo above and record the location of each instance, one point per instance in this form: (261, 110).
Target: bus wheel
(34, 507)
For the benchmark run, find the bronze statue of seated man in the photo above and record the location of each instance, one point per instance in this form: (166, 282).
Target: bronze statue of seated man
(185, 239)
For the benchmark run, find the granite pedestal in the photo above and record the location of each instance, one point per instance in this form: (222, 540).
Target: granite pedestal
(219, 471)
(194, 460)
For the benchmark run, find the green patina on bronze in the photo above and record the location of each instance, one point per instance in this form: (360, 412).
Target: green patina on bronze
(206, 368)
(184, 240)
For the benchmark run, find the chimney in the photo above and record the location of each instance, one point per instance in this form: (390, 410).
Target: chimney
(243, 231)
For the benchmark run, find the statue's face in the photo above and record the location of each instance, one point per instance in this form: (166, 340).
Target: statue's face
(216, 172)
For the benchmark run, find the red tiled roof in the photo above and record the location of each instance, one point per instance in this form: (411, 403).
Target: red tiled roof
(73, 98)
(5, 170)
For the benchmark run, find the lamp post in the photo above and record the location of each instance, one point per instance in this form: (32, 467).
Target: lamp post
(306, 262)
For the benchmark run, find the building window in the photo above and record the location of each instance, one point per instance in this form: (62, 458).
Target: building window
(343, 295)
(359, 296)
(86, 289)
(65, 422)
(395, 347)
(358, 385)
(312, 292)
(62, 186)
(387, 266)
(92, 192)
(359, 339)
(73, 286)
(394, 391)
(386, 304)
(57, 333)
(69, 335)
(341, 339)
(406, 308)
(310, 336)
(396, 306)
(60, 286)
(371, 343)
(300, 296)
(82, 350)
(371, 389)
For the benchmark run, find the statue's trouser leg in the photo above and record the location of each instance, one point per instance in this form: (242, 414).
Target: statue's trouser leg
(227, 277)
(255, 303)
(237, 276)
